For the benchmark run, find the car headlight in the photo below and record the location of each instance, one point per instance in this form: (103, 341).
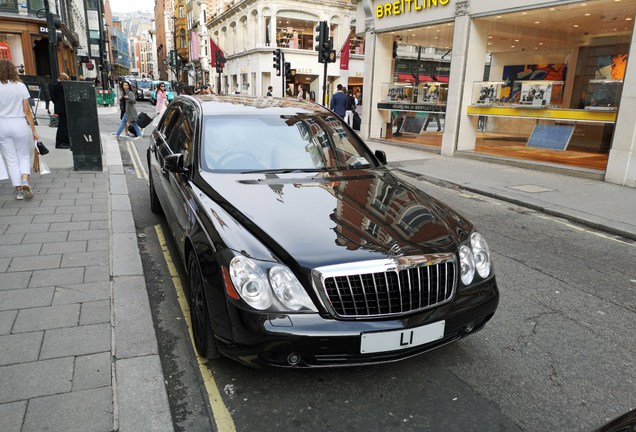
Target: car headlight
(481, 253)
(467, 263)
(252, 285)
(250, 282)
(289, 290)
(474, 257)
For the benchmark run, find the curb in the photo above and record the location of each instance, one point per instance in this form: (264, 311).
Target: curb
(140, 399)
(554, 211)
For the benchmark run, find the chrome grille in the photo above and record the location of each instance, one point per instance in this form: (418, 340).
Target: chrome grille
(394, 291)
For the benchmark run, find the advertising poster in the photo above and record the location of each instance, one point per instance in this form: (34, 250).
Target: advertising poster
(611, 67)
(511, 91)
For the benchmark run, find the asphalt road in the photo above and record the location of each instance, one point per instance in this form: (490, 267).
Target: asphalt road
(558, 355)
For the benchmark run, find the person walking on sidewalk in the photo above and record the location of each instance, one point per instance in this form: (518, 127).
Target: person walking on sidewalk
(162, 99)
(16, 140)
(131, 111)
(62, 139)
(339, 102)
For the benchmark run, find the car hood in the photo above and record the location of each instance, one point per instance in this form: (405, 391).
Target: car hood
(330, 218)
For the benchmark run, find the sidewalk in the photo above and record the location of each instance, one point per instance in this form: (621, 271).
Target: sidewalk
(78, 350)
(596, 204)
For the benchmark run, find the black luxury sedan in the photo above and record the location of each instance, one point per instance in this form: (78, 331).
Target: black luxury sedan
(302, 248)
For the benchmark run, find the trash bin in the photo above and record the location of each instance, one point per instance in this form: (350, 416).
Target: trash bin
(105, 97)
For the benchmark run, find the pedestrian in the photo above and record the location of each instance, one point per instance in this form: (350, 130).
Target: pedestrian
(351, 106)
(62, 139)
(338, 102)
(122, 111)
(130, 115)
(162, 98)
(269, 91)
(16, 140)
(46, 94)
(302, 95)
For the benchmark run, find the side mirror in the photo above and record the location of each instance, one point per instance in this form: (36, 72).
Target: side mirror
(381, 156)
(174, 163)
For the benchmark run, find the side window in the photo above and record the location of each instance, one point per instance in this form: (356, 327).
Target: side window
(169, 120)
(180, 140)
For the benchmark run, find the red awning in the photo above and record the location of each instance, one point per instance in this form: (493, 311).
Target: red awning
(423, 78)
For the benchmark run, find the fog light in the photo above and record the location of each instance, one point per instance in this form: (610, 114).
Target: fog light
(293, 359)
(470, 327)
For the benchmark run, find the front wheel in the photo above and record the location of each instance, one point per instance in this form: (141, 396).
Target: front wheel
(199, 315)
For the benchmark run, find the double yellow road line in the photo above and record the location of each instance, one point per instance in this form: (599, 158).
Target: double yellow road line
(222, 417)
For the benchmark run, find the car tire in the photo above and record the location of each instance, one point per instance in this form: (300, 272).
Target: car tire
(199, 315)
(155, 205)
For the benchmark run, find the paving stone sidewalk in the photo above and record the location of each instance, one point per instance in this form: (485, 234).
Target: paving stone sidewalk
(78, 350)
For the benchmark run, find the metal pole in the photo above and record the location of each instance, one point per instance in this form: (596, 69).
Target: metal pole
(324, 86)
(55, 71)
(282, 72)
(101, 45)
(176, 54)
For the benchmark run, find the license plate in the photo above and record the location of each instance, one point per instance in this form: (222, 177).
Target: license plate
(401, 339)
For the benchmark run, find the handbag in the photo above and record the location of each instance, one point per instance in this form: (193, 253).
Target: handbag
(41, 148)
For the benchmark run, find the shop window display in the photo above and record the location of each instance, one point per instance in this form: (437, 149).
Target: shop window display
(603, 94)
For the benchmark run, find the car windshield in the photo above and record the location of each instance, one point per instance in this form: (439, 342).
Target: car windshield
(283, 143)
(143, 84)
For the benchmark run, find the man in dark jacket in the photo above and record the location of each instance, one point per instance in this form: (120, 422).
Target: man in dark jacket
(62, 139)
(338, 102)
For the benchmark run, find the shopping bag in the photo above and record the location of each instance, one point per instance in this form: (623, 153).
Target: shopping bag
(36, 161)
(44, 167)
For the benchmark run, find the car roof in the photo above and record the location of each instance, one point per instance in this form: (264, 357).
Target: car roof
(213, 105)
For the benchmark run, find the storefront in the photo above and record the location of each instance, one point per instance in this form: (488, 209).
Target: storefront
(537, 81)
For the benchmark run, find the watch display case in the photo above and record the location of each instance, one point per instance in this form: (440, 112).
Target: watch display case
(541, 94)
(603, 95)
(397, 93)
(432, 93)
(487, 93)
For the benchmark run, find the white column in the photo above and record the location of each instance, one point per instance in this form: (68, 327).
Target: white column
(378, 70)
(621, 166)
(468, 59)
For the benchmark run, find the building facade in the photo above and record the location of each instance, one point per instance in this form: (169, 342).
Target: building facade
(544, 84)
(248, 31)
(24, 35)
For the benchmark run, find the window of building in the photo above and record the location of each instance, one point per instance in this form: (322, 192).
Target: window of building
(181, 13)
(295, 29)
(182, 39)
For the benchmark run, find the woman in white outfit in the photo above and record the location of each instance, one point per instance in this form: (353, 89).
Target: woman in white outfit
(16, 139)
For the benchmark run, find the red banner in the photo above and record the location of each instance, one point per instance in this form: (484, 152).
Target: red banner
(213, 49)
(344, 54)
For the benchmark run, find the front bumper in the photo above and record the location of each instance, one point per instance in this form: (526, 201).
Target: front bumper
(310, 340)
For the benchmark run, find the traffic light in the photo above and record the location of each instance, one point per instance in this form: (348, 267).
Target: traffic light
(289, 72)
(277, 55)
(57, 34)
(220, 61)
(324, 43)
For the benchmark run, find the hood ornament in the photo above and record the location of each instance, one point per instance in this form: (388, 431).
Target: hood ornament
(395, 253)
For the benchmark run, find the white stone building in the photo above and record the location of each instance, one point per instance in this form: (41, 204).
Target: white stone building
(248, 31)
